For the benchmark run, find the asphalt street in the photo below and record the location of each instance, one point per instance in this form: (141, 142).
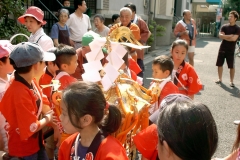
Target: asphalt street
(222, 100)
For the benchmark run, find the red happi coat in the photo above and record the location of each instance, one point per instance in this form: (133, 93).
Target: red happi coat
(103, 147)
(187, 80)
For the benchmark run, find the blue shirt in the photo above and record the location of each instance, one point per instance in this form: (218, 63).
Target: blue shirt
(55, 28)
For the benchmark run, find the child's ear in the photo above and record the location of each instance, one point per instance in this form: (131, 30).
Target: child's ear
(63, 66)
(167, 73)
(86, 120)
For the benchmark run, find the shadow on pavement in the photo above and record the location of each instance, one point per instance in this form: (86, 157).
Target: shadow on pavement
(235, 92)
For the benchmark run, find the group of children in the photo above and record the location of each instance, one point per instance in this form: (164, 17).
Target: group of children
(27, 109)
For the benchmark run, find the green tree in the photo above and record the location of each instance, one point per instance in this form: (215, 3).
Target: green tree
(159, 31)
(10, 10)
(230, 5)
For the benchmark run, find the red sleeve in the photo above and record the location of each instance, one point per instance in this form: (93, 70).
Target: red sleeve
(135, 31)
(134, 66)
(65, 81)
(194, 83)
(26, 117)
(169, 88)
(146, 141)
(64, 151)
(44, 80)
(111, 149)
(133, 75)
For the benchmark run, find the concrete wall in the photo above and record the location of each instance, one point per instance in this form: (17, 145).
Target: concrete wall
(166, 38)
(210, 8)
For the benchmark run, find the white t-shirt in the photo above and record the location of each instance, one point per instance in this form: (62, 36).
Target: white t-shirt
(104, 33)
(45, 41)
(78, 26)
(174, 71)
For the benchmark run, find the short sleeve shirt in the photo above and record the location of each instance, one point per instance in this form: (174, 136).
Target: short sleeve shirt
(228, 30)
(78, 26)
(55, 30)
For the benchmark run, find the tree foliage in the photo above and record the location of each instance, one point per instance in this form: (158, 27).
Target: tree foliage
(10, 10)
(159, 31)
(230, 5)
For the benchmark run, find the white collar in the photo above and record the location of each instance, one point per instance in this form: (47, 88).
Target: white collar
(135, 19)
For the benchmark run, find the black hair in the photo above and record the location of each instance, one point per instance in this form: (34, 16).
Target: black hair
(189, 130)
(4, 59)
(77, 3)
(132, 7)
(35, 19)
(102, 19)
(114, 17)
(179, 42)
(21, 70)
(235, 14)
(64, 54)
(165, 63)
(83, 98)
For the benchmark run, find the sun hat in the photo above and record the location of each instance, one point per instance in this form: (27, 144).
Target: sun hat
(5, 48)
(34, 12)
(167, 101)
(27, 53)
(88, 37)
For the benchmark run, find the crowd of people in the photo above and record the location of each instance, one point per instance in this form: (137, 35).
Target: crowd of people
(40, 123)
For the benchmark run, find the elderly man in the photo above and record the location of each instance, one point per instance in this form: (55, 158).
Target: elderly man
(186, 29)
(144, 33)
(125, 18)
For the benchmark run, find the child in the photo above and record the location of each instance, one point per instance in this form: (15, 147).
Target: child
(87, 38)
(161, 70)
(46, 79)
(184, 76)
(24, 101)
(49, 74)
(5, 69)
(60, 32)
(33, 20)
(85, 111)
(66, 60)
(185, 130)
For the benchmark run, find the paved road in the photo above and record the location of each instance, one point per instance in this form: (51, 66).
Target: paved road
(223, 101)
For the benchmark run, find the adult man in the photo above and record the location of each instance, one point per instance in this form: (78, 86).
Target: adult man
(144, 33)
(78, 23)
(186, 29)
(229, 34)
(125, 18)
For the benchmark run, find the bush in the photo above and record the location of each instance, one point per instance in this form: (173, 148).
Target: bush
(10, 10)
(159, 31)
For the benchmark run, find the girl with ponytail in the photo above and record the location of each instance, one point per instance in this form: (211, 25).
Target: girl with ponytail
(91, 121)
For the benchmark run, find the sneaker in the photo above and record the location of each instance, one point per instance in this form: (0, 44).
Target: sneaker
(232, 84)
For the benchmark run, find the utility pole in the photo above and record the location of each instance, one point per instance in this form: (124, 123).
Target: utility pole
(155, 29)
